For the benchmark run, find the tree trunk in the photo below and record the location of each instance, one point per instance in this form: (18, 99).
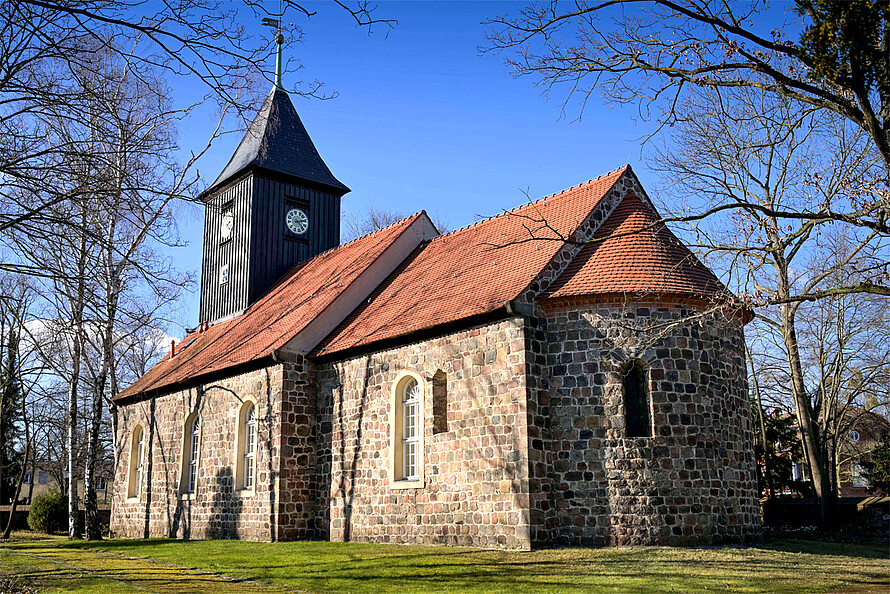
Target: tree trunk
(90, 503)
(33, 476)
(73, 532)
(77, 310)
(806, 420)
(4, 383)
(767, 478)
(18, 490)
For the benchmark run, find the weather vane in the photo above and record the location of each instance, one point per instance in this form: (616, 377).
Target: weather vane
(279, 39)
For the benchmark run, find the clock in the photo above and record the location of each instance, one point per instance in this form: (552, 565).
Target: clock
(227, 224)
(297, 221)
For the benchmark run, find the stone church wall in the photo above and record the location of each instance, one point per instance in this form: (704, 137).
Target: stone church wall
(216, 510)
(529, 449)
(475, 489)
(694, 481)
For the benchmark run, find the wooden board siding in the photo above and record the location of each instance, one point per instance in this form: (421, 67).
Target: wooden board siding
(261, 250)
(274, 251)
(218, 301)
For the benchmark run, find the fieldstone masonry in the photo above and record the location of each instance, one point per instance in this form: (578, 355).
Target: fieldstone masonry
(533, 452)
(694, 481)
(476, 472)
(216, 509)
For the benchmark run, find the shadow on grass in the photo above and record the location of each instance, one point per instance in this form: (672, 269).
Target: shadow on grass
(363, 550)
(816, 547)
(345, 567)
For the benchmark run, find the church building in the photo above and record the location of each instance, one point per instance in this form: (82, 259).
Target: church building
(566, 372)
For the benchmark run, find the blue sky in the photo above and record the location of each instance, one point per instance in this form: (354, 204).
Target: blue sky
(422, 121)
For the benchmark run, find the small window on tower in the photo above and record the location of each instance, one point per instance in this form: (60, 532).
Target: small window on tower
(223, 274)
(227, 223)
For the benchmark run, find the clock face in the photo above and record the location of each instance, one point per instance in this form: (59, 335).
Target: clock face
(227, 224)
(297, 221)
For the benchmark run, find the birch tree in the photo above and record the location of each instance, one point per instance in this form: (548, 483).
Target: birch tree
(133, 210)
(202, 41)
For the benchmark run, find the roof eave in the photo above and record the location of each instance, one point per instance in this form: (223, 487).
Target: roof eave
(265, 360)
(219, 186)
(510, 309)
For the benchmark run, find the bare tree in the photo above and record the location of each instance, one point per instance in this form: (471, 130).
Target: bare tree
(133, 193)
(652, 53)
(42, 42)
(19, 383)
(760, 155)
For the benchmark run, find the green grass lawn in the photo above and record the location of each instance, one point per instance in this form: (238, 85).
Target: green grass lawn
(161, 565)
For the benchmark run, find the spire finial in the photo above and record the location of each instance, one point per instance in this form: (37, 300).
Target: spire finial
(279, 39)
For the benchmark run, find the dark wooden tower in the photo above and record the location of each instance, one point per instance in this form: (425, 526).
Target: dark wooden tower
(275, 204)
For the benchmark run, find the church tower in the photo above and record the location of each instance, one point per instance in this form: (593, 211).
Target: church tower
(274, 205)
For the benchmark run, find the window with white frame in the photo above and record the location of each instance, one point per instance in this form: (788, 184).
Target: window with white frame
(137, 452)
(249, 446)
(246, 443)
(191, 443)
(411, 428)
(407, 426)
(193, 456)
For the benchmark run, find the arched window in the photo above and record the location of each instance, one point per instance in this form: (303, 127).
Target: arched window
(407, 432)
(191, 444)
(410, 429)
(637, 413)
(137, 453)
(249, 446)
(245, 448)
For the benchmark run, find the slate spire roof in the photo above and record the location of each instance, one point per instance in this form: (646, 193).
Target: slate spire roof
(277, 142)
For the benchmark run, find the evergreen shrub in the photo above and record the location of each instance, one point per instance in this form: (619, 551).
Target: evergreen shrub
(49, 513)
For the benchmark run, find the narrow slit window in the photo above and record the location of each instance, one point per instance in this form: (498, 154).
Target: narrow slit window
(440, 402)
(638, 419)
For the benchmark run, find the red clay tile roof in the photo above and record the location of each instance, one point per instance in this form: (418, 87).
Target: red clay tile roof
(631, 258)
(470, 271)
(303, 293)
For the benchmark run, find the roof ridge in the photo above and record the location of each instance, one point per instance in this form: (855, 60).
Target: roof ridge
(375, 231)
(532, 203)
